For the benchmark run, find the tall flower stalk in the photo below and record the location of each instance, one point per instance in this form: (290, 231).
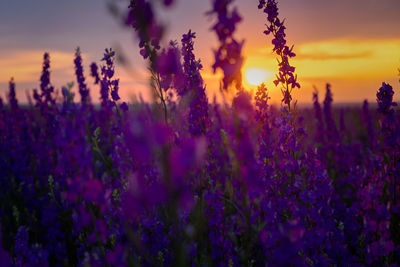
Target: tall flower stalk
(94, 72)
(108, 84)
(83, 90)
(319, 132)
(12, 99)
(167, 74)
(331, 129)
(198, 110)
(228, 57)
(141, 16)
(45, 85)
(263, 117)
(390, 134)
(286, 77)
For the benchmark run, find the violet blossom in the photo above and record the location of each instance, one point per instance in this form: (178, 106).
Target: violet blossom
(228, 57)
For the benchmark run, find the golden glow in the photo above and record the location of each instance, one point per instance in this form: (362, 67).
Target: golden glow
(26, 65)
(256, 76)
(356, 68)
(341, 58)
(357, 59)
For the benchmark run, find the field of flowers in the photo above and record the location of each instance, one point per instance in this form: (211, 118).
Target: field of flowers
(186, 181)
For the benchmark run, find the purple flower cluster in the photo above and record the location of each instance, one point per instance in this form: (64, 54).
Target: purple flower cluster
(385, 99)
(228, 57)
(385, 107)
(142, 18)
(108, 84)
(169, 69)
(191, 66)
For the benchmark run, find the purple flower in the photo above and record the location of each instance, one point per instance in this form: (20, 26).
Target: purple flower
(94, 72)
(25, 254)
(222, 247)
(141, 17)
(385, 99)
(107, 83)
(319, 132)
(198, 110)
(114, 90)
(275, 26)
(12, 99)
(228, 57)
(330, 124)
(45, 85)
(124, 106)
(385, 107)
(263, 117)
(83, 90)
(169, 67)
(242, 105)
(191, 67)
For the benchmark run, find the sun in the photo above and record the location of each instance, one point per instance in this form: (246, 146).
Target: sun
(256, 76)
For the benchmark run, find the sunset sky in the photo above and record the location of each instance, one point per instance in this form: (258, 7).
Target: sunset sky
(352, 44)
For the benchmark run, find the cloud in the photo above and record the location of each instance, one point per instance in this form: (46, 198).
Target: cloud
(335, 56)
(374, 58)
(355, 67)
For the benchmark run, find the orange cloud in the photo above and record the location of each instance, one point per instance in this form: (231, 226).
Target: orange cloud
(355, 59)
(356, 68)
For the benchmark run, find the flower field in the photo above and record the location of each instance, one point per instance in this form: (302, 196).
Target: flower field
(190, 181)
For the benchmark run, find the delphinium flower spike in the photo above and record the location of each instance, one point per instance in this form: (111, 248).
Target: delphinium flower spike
(83, 90)
(167, 74)
(12, 99)
(286, 77)
(94, 72)
(330, 124)
(319, 132)
(391, 139)
(108, 84)
(142, 18)
(263, 117)
(228, 57)
(198, 113)
(45, 85)
(385, 107)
